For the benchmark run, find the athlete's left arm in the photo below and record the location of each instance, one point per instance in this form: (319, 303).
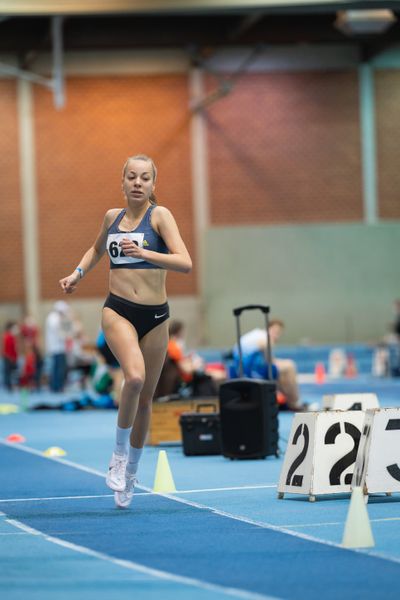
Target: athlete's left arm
(165, 225)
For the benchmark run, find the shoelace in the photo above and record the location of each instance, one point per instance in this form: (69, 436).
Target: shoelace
(119, 465)
(130, 484)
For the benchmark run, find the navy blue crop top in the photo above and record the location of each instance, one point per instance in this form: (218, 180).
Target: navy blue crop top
(144, 235)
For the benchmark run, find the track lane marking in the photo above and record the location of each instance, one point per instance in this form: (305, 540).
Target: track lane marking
(44, 499)
(133, 566)
(221, 513)
(339, 523)
(150, 493)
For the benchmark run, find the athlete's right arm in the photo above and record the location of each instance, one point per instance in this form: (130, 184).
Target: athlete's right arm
(91, 257)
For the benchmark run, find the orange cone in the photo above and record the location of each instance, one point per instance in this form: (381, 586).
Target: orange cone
(351, 367)
(15, 438)
(280, 398)
(320, 373)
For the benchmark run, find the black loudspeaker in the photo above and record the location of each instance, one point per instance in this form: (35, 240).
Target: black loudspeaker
(248, 418)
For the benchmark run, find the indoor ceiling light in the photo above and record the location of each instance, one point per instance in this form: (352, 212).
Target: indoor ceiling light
(363, 22)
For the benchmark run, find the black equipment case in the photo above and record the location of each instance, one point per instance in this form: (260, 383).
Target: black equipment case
(201, 431)
(248, 407)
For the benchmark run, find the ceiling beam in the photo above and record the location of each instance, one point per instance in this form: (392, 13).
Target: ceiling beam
(56, 82)
(90, 7)
(11, 71)
(225, 84)
(245, 24)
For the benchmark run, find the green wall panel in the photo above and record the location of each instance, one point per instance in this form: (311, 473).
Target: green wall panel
(329, 283)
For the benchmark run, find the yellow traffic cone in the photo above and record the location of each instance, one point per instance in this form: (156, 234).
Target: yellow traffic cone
(357, 530)
(8, 409)
(54, 451)
(163, 481)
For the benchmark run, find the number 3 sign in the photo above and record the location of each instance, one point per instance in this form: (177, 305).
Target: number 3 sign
(378, 462)
(321, 453)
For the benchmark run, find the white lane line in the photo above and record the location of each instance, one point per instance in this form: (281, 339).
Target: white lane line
(279, 529)
(221, 513)
(149, 493)
(133, 566)
(5, 501)
(63, 461)
(22, 526)
(227, 489)
(296, 526)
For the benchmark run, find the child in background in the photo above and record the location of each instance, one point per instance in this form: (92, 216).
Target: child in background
(10, 353)
(33, 360)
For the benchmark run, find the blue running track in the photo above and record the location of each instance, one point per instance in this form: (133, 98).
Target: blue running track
(186, 540)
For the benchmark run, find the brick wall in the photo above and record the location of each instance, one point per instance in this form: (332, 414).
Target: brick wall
(387, 84)
(11, 251)
(285, 148)
(80, 154)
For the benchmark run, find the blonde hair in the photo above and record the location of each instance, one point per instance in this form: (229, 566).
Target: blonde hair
(145, 158)
(278, 322)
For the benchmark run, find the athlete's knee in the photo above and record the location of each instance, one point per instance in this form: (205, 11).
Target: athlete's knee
(134, 381)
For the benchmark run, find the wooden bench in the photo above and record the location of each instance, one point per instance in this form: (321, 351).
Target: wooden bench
(164, 426)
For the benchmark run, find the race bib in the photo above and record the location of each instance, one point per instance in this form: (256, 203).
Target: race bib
(115, 252)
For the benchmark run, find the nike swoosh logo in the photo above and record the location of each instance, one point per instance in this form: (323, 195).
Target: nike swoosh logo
(159, 316)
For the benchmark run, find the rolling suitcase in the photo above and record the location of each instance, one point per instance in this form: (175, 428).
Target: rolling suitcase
(200, 432)
(248, 407)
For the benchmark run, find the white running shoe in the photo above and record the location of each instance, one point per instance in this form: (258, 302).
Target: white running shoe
(123, 499)
(116, 472)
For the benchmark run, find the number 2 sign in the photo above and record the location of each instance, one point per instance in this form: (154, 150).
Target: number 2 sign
(321, 453)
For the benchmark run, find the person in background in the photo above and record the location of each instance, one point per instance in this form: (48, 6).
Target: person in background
(28, 367)
(33, 359)
(79, 359)
(56, 331)
(396, 322)
(386, 357)
(143, 242)
(395, 349)
(183, 373)
(10, 353)
(112, 366)
(188, 363)
(284, 371)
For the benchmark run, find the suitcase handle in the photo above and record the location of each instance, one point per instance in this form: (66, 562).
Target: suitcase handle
(238, 311)
(268, 354)
(199, 406)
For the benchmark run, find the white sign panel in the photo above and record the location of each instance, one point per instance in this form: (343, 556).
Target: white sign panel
(115, 251)
(378, 461)
(298, 462)
(321, 453)
(350, 402)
